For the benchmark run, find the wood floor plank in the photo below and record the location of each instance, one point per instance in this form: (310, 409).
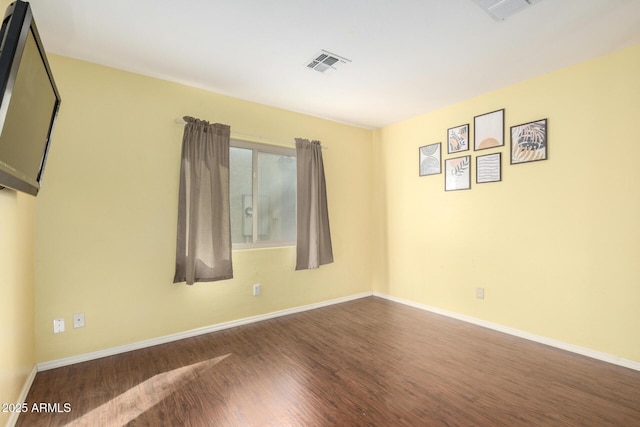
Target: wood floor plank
(369, 362)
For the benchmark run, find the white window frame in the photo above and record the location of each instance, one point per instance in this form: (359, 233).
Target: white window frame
(257, 147)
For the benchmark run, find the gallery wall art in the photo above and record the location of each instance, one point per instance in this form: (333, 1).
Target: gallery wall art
(458, 139)
(529, 142)
(488, 130)
(457, 173)
(430, 157)
(489, 168)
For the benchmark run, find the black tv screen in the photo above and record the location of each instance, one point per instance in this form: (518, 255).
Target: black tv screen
(29, 101)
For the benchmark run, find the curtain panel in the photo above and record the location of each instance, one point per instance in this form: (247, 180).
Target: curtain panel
(313, 247)
(203, 250)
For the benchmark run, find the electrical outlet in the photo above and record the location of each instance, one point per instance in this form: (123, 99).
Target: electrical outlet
(256, 289)
(480, 293)
(58, 326)
(78, 320)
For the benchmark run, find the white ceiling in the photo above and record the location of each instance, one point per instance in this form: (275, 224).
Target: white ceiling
(408, 57)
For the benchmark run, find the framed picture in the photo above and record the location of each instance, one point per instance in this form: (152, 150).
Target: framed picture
(488, 130)
(458, 139)
(430, 157)
(489, 168)
(529, 142)
(457, 173)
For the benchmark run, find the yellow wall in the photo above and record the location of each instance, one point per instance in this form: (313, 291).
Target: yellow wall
(556, 243)
(107, 213)
(17, 351)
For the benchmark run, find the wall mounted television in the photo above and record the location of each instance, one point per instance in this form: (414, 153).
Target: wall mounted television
(29, 101)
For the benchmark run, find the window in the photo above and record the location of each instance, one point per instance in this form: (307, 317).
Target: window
(263, 195)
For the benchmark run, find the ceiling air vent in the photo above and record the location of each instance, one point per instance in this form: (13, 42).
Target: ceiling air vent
(501, 9)
(326, 62)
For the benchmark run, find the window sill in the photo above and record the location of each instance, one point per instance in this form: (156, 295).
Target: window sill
(261, 245)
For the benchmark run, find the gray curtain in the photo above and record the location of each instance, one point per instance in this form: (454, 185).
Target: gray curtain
(314, 237)
(203, 251)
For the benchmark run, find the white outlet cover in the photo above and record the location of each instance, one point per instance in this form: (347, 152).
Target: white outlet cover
(58, 326)
(78, 320)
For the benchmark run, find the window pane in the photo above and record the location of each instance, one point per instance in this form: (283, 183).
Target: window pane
(276, 197)
(263, 195)
(241, 183)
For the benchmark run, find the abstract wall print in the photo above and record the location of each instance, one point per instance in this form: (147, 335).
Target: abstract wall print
(458, 139)
(489, 168)
(488, 130)
(529, 142)
(430, 159)
(457, 173)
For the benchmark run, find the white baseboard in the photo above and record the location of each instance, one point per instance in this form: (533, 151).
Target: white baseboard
(226, 325)
(605, 357)
(13, 418)
(191, 333)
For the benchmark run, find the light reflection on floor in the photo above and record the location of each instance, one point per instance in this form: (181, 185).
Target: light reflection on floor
(128, 406)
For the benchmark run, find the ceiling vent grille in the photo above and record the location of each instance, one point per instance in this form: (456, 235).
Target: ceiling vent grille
(502, 9)
(326, 62)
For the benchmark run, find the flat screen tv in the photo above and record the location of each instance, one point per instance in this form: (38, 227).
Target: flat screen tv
(29, 101)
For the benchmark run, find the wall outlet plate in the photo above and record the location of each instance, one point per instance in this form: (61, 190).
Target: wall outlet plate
(78, 320)
(256, 289)
(58, 326)
(480, 293)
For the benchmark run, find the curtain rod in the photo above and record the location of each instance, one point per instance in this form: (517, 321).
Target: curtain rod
(259, 137)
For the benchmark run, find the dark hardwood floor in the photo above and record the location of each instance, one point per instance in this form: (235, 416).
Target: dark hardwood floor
(369, 362)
